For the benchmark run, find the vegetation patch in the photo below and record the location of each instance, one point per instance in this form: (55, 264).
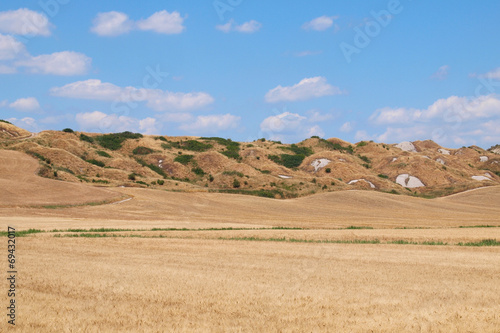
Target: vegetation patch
(198, 171)
(103, 153)
(5, 121)
(153, 167)
(114, 141)
(68, 130)
(142, 151)
(184, 159)
(233, 173)
(306, 151)
(86, 138)
(96, 162)
(484, 242)
(287, 160)
(232, 147)
(336, 146)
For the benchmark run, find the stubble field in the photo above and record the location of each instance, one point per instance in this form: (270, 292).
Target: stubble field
(351, 261)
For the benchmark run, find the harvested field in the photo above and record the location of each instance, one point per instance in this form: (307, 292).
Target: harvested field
(351, 261)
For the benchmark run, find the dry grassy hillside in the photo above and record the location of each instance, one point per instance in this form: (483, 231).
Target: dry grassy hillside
(263, 168)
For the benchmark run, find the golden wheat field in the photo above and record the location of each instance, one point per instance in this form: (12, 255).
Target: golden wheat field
(352, 261)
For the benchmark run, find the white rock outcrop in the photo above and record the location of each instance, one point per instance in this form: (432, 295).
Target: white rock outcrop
(440, 160)
(354, 181)
(407, 146)
(483, 158)
(285, 177)
(394, 159)
(480, 178)
(408, 181)
(320, 163)
(444, 151)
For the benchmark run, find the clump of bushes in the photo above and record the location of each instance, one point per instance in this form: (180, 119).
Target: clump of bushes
(153, 167)
(287, 160)
(103, 153)
(233, 173)
(306, 151)
(96, 162)
(232, 147)
(198, 171)
(336, 146)
(184, 159)
(86, 138)
(383, 176)
(142, 150)
(68, 130)
(361, 144)
(114, 141)
(236, 183)
(5, 121)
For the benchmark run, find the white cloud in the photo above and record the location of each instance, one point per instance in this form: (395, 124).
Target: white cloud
(289, 127)
(156, 99)
(247, 27)
(111, 24)
(114, 23)
(459, 107)
(212, 123)
(307, 53)
(304, 90)
(25, 104)
(163, 22)
(346, 127)
(321, 23)
(442, 73)
(4, 69)
(3, 103)
(25, 22)
(314, 116)
(26, 123)
(101, 122)
(60, 63)
(10, 47)
(494, 74)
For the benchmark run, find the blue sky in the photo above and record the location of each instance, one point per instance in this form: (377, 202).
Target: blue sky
(387, 71)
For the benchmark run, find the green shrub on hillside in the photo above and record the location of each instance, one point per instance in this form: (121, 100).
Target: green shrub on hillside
(86, 138)
(114, 141)
(198, 171)
(153, 167)
(306, 151)
(288, 161)
(5, 121)
(96, 162)
(184, 159)
(68, 130)
(336, 146)
(142, 150)
(103, 153)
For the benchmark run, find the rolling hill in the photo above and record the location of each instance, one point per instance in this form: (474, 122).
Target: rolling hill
(263, 168)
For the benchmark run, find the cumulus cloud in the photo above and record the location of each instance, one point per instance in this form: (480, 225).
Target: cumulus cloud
(452, 121)
(114, 23)
(247, 27)
(25, 104)
(27, 123)
(442, 73)
(212, 123)
(163, 22)
(321, 23)
(98, 121)
(494, 74)
(462, 107)
(289, 127)
(111, 24)
(156, 99)
(25, 22)
(346, 127)
(10, 48)
(306, 89)
(64, 63)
